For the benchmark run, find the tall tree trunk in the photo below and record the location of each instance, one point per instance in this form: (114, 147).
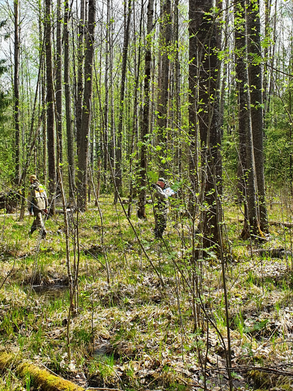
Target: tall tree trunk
(253, 217)
(177, 90)
(146, 113)
(44, 124)
(247, 158)
(267, 29)
(16, 91)
(256, 97)
(163, 84)
(50, 106)
(69, 130)
(192, 98)
(243, 115)
(132, 151)
(80, 74)
(59, 83)
(118, 166)
(271, 82)
(204, 72)
(112, 143)
(106, 84)
(208, 42)
(83, 151)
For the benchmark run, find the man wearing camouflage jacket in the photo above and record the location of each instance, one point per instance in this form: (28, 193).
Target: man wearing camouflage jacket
(37, 203)
(160, 207)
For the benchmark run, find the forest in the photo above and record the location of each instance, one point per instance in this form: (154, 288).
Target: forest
(100, 99)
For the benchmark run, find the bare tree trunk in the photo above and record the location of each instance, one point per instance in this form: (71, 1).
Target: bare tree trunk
(69, 130)
(253, 218)
(272, 59)
(177, 90)
(137, 90)
(44, 128)
(118, 166)
(146, 113)
(163, 90)
(16, 91)
(247, 158)
(80, 75)
(58, 71)
(209, 40)
(106, 84)
(83, 151)
(267, 27)
(50, 106)
(243, 119)
(206, 75)
(256, 96)
(192, 98)
(112, 143)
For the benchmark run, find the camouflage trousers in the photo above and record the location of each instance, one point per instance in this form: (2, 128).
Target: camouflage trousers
(160, 222)
(38, 223)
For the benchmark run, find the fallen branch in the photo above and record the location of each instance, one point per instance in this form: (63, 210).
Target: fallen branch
(279, 372)
(243, 369)
(41, 378)
(272, 252)
(277, 223)
(284, 224)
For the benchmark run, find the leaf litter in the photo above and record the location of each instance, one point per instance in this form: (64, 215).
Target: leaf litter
(129, 334)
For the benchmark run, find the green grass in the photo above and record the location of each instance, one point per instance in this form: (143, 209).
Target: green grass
(149, 328)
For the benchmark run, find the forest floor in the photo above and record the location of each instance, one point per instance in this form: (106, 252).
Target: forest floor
(147, 316)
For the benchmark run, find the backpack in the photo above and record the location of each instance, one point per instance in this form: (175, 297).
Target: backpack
(169, 192)
(39, 197)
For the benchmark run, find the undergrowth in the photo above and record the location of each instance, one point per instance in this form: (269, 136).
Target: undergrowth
(149, 316)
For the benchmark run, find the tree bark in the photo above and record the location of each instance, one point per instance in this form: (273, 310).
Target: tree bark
(118, 166)
(243, 119)
(50, 106)
(256, 97)
(59, 84)
(192, 99)
(106, 84)
(83, 155)
(69, 130)
(16, 91)
(178, 157)
(209, 119)
(247, 171)
(80, 72)
(145, 117)
(163, 85)
(132, 149)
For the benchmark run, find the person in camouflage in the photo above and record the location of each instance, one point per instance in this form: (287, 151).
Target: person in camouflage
(160, 207)
(37, 204)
